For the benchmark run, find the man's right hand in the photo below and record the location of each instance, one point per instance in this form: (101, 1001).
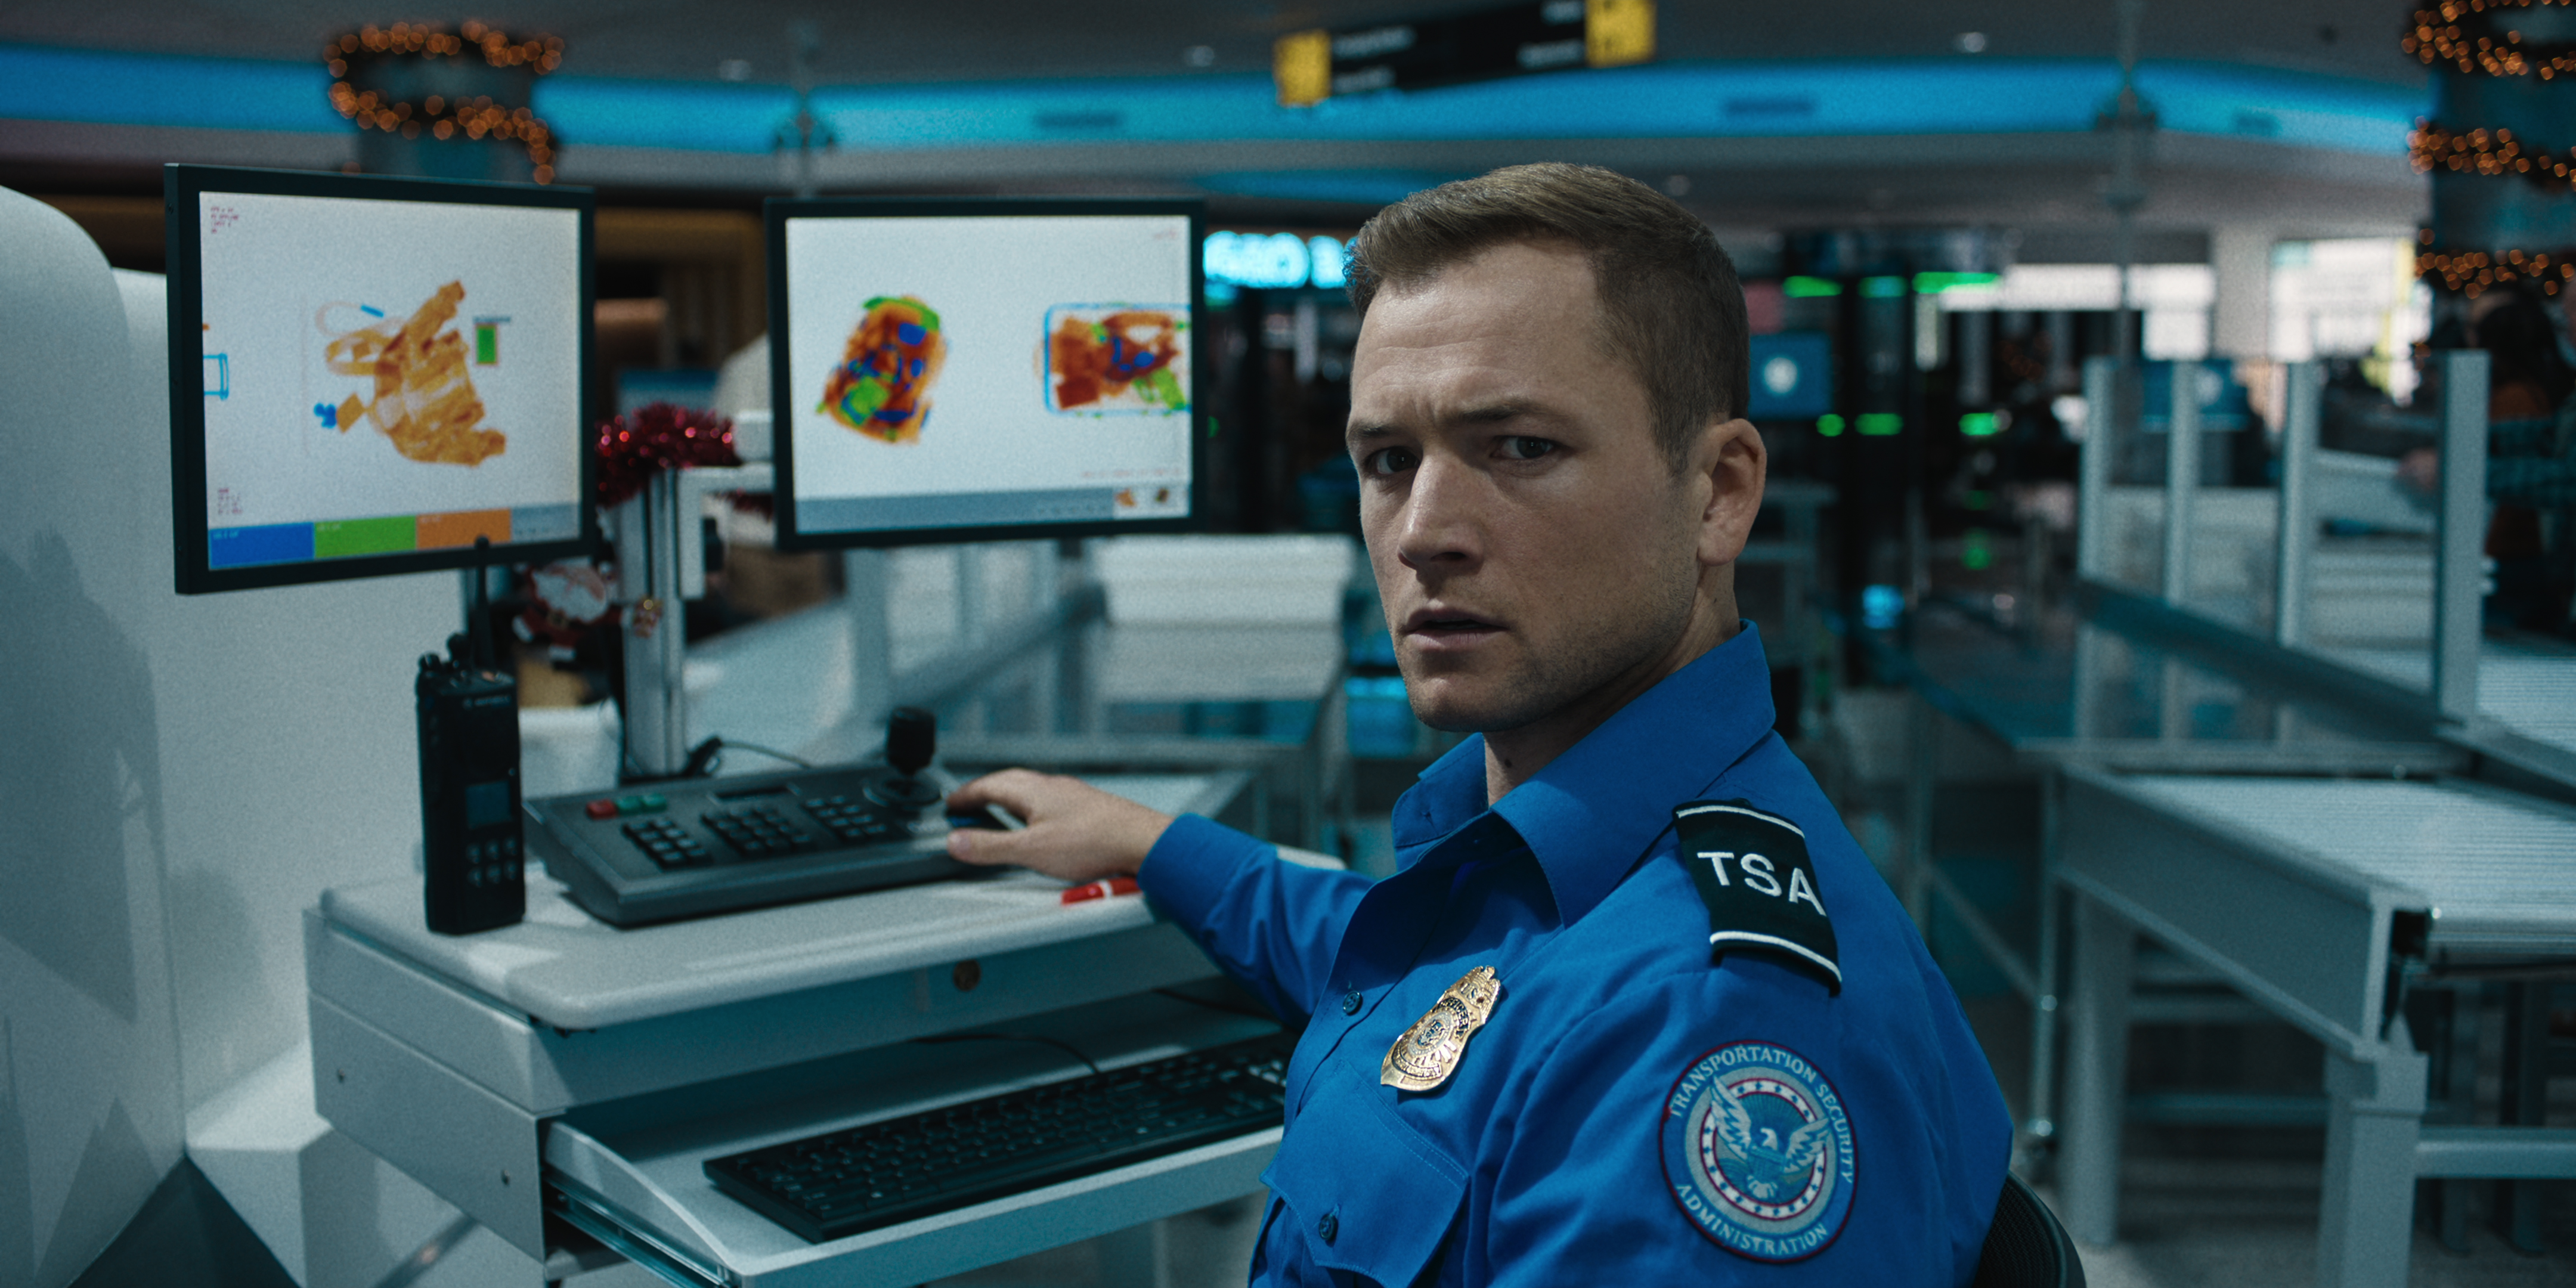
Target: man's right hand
(1075, 832)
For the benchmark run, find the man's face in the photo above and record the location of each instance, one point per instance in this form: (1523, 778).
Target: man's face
(1530, 540)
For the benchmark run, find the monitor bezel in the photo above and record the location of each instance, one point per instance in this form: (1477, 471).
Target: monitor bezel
(777, 211)
(181, 187)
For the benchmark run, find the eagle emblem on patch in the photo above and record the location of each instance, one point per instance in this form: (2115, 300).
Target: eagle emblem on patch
(1758, 1152)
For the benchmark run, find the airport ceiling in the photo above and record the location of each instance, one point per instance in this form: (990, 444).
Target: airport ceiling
(990, 39)
(2031, 181)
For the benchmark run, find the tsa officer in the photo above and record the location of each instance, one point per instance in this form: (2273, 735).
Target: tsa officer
(1634, 1008)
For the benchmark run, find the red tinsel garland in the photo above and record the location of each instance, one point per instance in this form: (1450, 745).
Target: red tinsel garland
(659, 436)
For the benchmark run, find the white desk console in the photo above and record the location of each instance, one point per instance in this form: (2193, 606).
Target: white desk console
(2319, 899)
(563, 1075)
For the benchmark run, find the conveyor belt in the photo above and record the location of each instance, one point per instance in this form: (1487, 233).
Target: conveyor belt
(2499, 870)
(2533, 694)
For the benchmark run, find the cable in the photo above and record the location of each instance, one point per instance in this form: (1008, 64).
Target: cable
(706, 756)
(736, 743)
(1068, 1048)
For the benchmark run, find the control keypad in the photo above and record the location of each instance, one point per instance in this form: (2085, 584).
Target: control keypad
(665, 842)
(757, 831)
(855, 819)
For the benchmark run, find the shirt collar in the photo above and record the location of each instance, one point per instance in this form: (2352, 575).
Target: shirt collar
(1592, 811)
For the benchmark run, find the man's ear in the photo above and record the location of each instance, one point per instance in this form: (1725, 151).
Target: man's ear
(1730, 463)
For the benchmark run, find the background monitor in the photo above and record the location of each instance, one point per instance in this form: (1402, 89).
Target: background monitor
(366, 374)
(948, 370)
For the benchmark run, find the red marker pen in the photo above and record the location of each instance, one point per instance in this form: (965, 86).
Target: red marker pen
(1090, 890)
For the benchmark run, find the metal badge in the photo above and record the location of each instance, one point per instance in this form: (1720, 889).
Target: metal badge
(1429, 1051)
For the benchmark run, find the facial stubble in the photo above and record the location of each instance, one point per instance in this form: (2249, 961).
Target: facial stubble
(1550, 676)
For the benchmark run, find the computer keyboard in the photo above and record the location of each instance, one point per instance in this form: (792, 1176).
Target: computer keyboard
(902, 1169)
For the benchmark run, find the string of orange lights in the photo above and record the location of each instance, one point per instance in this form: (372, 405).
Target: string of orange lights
(440, 118)
(2488, 152)
(2466, 34)
(2470, 36)
(2474, 272)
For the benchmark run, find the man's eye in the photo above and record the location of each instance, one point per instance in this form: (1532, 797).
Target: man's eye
(1522, 447)
(1389, 460)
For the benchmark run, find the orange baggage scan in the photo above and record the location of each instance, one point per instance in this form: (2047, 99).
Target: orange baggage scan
(882, 387)
(424, 400)
(1116, 359)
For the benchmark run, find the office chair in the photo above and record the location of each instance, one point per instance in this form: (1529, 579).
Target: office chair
(2026, 1247)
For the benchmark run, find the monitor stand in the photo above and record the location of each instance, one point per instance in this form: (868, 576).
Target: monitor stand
(661, 564)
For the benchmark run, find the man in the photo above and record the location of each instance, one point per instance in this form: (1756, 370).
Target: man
(1635, 1009)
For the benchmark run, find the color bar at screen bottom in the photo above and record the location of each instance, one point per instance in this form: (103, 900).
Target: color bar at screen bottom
(279, 543)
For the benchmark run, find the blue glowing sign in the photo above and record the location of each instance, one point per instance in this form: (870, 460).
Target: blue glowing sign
(1272, 261)
(1881, 607)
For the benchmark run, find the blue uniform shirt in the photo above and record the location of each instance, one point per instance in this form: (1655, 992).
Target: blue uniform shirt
(1631, 1112)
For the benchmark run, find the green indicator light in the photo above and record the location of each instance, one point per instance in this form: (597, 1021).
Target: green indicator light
(1880, 424)
(1810, 288)
(1829, 425)
(1935, 283)
(1882, 288)
(1211, 426)
(1976, 552)
(1978, 424)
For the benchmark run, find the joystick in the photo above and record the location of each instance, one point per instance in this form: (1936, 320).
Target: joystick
(912, 739)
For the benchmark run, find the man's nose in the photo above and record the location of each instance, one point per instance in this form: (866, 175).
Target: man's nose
(1439, 529)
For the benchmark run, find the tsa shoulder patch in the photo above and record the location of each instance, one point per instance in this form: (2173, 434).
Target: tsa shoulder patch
(1751, 869)
(1758, 1152)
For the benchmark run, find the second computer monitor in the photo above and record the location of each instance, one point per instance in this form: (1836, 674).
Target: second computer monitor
(947, 370)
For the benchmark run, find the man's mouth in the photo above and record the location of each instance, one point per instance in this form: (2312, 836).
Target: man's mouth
(1437, 626)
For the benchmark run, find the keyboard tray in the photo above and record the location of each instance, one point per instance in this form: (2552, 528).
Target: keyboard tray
(634, 1174)
(902, 1169)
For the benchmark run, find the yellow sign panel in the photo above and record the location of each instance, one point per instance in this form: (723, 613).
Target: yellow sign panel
(1302, 63)
(1615, 33)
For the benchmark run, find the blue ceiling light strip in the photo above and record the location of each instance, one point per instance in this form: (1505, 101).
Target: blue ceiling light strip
(2296, 108)
(44, 84)
(682, 115)
(1362, 187)
(1784, 100)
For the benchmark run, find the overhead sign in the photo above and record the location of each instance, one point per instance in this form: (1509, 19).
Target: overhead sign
(1548, 35)
(1273, 261)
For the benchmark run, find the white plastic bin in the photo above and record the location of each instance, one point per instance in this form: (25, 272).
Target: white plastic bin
(1205, 579)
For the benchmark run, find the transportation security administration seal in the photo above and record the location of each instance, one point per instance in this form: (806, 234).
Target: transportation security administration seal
(1758, 1152)
(1429, 1051)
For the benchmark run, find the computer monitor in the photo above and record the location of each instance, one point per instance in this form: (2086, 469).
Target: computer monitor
(367, 374)
(954, 370)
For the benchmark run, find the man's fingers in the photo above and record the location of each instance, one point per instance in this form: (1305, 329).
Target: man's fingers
(1016, 790)
(988, 848)
(1074, 832)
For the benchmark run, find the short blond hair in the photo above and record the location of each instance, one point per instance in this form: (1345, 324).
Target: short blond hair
(1670, 305)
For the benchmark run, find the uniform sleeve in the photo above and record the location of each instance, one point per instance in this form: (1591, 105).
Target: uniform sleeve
(2542, 482)
(2527, 465)
(1588, 1186)
(1272, 924)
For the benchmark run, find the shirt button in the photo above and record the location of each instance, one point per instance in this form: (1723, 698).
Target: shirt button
(1351, 1002)
(1327, 1227)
